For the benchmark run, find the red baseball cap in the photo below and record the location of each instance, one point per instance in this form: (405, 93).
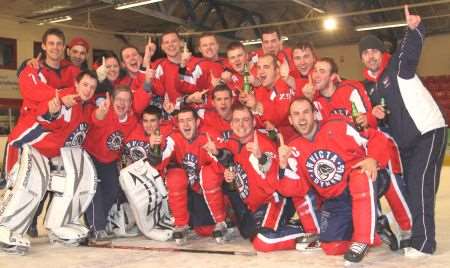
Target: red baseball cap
(78, 41)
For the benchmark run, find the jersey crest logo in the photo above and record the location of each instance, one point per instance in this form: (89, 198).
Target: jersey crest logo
(325, 168)
(114, 141)
(190, 165)
(77, 137)
(136, 150)
(241, 180)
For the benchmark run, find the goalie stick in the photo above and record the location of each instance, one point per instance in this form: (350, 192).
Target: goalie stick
(170, 249)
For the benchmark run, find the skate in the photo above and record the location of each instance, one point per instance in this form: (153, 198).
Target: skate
(356, 253)
(13, 243)
(32, 231)
(405, 239)
(180, 235)
(100, 238)
(387, 236)
(307, 242)
(221, 233)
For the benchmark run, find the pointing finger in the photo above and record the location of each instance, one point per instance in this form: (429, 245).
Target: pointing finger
(406, 11)
(103, 61)
(280, 137)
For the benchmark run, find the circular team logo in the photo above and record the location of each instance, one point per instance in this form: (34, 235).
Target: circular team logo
(77, 137)
(114, 141)
(190, 164)
(136, 150)
(325, 168)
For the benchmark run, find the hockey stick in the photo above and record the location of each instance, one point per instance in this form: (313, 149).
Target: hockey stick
(168, 249)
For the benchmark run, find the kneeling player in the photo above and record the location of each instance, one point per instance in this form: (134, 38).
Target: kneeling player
(194, 186)
(332, 159)
(251, 165)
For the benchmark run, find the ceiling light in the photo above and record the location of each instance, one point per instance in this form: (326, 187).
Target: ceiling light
(57, 19)
(258, 41)
(330, 24)
(131, 4)
(380, 26)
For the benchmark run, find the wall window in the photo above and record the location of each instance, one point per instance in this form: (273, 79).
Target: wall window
(8, 53)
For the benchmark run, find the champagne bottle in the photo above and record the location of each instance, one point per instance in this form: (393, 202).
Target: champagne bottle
(247, 88)
(355, 115)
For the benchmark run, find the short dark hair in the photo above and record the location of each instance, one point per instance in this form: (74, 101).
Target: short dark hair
(334, 67)
(270, 30)
(300, 99)
(170, 32)
(89, 73)
(220, 88)
(153, 110)
(187, 110)
(304, 45)
(53, 31)
(240, 107)
(235, 45)
(207, 35)
(126, 47)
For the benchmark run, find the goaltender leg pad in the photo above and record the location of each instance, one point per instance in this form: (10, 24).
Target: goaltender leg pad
(147, 196)
(19, 204)
(74, 188)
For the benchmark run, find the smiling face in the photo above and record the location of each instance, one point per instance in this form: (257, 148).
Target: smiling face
(187, 124)
(113, 68)
(77, 54)
(372, 58)
(301, 117)
(150, 122)
(222, 101)
(54, 48)
(271, 43)
(208, 47)
(303, 60)
(131, 60)
(322, 76)
(86, 87)
(267, 71)
(171, 45)
(242, 124)
(121, 103)
(237, 57)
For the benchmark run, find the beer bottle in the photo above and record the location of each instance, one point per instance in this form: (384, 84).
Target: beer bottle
(231, 186)
(355, 115)
(156, 148)
(386, 112)
(247, 88)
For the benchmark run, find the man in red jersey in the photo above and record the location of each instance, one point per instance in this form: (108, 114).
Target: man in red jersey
(194, 186)
(341, 165)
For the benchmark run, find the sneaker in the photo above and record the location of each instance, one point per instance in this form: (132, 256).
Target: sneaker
(32, 230)
(99, 238)
(180, 235)
(356, 252)
(220, 232)
(387, 236)
(413, 253)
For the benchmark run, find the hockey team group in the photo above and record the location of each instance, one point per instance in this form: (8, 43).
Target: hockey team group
(273, 143)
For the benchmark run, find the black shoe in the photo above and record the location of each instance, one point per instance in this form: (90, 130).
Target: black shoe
(387, 236)
(2, 183)
(356, 252)
(32, 230)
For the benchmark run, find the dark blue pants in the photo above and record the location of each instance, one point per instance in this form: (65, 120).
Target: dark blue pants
(422, 165)
(106, 195)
